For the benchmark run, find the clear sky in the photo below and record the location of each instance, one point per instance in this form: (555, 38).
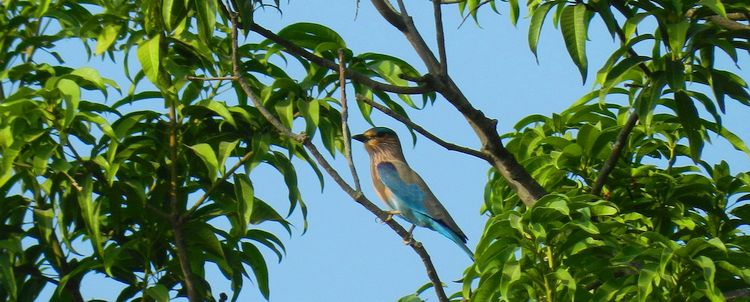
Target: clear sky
(346, 255)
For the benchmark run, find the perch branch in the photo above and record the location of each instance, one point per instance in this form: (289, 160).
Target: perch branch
(425, 133)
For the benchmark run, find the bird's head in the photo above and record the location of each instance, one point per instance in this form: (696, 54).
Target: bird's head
(380, 139)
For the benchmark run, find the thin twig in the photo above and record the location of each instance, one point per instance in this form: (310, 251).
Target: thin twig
(440, 36)
(617, 148)
(358, 77)
(211, 78)
(345, 122)
(73, 182)
(737, 293)
(221, 180)
(425, 133)
(473, 11)
(356, 195)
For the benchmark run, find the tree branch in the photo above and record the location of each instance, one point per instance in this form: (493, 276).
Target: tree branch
(194, 78)
(737, 294)
(417, 42)
(363, 79)
(345, 122)
(617, 148)
(389, 13)
(425, 133)
(518, 178)
(727, 23)
(303, 139)
(730, 22)
(440, 36)
(176, 218)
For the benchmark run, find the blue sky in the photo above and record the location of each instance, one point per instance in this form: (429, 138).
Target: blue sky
(346, 255)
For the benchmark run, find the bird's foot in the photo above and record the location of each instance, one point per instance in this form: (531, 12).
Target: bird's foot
(410, 239)
(390, 215)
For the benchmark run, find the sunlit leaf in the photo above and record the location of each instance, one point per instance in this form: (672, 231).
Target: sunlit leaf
(150, 56)
(208, 156)
(574, 24)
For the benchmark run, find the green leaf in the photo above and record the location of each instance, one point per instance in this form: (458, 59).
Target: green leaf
(225, 151)
(603, 210)
(158, 292)
(72, 96)
(100, 122)
(90, 213)
(410, 298)
(310, 111)
(535, 26)
(8, 277)
(690, 121)
(716, 6)
(677, 34)
(709, 272)
(150, 56)
(220, 109)
(206, 19)
(243, 189)
(513, 12)
(574, 24)
(632, 24)
(106, 38)
(207, 155)
(42, 7)
(310, 35)
(201, 235)
(285, 111)
(252, 257)
(645, 284)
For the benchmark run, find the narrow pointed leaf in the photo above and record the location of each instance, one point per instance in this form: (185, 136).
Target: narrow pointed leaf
(574, 25)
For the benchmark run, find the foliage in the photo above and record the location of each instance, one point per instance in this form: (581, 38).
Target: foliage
(663, 229)
(129, 177)
(91, 187)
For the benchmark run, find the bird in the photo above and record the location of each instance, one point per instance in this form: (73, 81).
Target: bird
(403, 190)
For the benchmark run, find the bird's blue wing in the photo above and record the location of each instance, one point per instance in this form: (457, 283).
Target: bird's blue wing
(407, 192)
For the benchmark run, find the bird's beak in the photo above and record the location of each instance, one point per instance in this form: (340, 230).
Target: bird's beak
(360, 137)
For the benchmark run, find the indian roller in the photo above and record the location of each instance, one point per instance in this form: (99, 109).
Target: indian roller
(403, 190)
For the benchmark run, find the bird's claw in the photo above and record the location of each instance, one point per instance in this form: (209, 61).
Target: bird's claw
(390, 215)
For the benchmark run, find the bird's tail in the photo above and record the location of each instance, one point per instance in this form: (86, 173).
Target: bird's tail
(450, 234)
